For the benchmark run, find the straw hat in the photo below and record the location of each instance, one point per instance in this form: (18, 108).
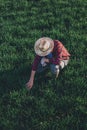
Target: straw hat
(43, 46)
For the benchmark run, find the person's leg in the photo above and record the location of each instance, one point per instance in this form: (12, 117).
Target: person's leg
(55, 69)
(40, 68)
(63, 63)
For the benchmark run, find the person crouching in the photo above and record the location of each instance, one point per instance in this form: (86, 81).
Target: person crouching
(49, 54)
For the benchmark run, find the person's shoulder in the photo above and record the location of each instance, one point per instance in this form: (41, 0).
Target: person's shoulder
(57, 42)
(37, 56)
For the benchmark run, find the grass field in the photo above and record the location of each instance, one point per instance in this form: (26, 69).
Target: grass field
(54, 104)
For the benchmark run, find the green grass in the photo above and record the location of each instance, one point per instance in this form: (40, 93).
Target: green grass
(54, 104)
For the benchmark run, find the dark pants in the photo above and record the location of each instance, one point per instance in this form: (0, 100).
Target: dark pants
(55, 69)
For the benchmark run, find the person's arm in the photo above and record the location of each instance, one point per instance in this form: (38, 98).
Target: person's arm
(33, 71)
(31, 80)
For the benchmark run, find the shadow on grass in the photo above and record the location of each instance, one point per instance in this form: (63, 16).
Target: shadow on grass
(17, 78)
(14, 79)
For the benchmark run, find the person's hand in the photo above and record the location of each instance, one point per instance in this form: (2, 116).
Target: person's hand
(46, 60)
(29, 85)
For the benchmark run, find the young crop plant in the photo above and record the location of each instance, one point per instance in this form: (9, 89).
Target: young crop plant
(51, 104)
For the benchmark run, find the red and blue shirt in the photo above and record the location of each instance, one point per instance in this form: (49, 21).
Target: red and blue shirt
(59, 53)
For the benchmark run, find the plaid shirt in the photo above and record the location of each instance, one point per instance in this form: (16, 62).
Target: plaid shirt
(59, 53)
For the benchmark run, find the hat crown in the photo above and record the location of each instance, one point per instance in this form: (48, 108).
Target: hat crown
(44, 45)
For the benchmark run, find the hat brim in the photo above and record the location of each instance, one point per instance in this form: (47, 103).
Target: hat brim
(37, 49)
